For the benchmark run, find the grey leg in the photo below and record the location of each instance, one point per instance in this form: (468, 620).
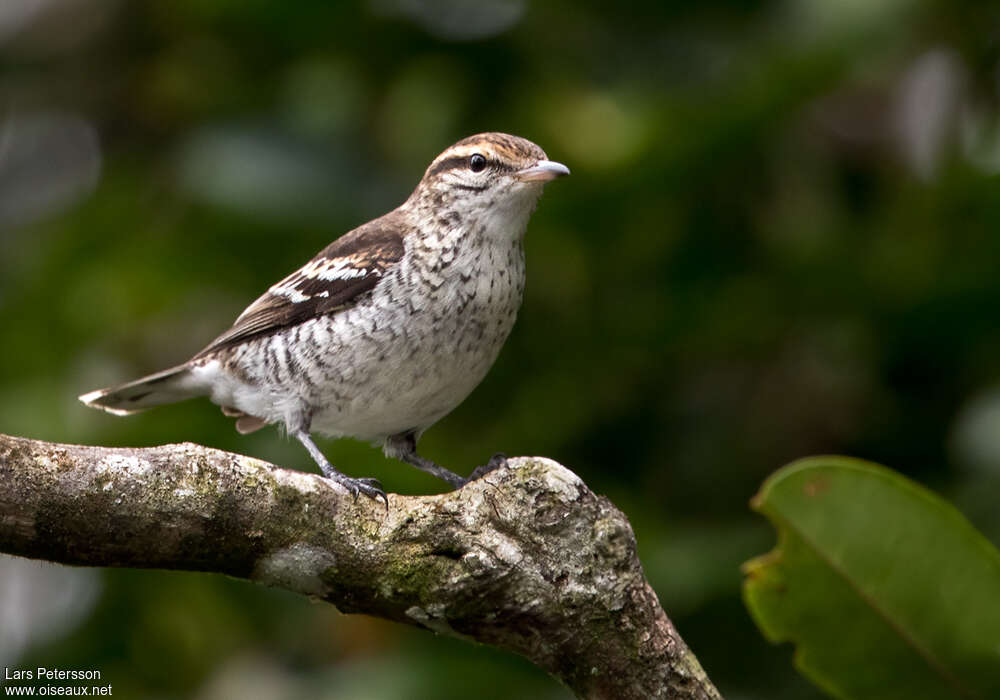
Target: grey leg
(370, 487)
(404, 447)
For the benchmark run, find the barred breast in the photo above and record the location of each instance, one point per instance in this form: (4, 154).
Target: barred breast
(428, 337)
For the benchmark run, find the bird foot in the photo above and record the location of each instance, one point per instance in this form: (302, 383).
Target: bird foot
(496, 461)
(368, 486)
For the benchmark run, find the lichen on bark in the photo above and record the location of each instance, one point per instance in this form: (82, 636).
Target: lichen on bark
(526, 559)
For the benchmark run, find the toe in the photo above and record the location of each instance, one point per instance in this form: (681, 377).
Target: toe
(371, 488)
(496, 461)
(367, 486)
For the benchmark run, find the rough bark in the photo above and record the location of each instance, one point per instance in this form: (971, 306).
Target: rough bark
(526, 558)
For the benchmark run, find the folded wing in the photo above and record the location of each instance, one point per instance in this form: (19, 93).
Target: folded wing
(333, 280)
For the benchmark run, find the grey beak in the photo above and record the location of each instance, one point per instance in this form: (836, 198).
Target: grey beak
(542, 171)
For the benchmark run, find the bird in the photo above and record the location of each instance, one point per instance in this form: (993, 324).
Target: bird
(388, 328)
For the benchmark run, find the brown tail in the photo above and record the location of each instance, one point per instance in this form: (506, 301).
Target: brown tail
(169, 386)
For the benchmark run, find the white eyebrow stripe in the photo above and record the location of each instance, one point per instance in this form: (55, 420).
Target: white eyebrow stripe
(483, 149)
(460, 151)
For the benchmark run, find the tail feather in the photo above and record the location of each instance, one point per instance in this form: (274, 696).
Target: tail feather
(169, 386)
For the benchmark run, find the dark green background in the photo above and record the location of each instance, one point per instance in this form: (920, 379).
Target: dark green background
(779, 239)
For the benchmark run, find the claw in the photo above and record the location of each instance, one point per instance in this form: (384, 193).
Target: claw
(373, 489)
(370, 481)
(367, 486)
(496, 461)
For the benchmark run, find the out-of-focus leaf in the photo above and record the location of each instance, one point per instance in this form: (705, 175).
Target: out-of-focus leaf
(886, 590)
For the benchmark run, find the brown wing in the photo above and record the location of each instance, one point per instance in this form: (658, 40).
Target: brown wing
(333, 280)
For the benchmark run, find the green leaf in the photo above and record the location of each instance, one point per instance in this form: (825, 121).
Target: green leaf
(886, 590)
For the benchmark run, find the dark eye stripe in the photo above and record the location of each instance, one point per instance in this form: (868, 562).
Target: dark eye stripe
(449, 163)
(463, 162)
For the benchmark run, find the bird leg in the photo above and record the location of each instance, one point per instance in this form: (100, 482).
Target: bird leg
(370, 487)
(404, 447)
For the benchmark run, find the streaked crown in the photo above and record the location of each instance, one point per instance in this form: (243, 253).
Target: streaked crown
(490, 163)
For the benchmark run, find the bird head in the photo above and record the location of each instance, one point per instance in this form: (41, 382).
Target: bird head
(492, 175)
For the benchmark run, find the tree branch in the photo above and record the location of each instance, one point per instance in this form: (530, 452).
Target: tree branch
(526, 559)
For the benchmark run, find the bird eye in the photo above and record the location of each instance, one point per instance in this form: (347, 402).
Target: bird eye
(477, 163)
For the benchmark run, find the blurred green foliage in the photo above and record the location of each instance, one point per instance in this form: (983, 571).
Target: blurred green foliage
(780, 238)
(884, 588)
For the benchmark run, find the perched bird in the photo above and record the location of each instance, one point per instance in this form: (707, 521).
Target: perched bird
(388, 328)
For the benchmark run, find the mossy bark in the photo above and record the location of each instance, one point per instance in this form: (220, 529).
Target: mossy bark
(526, 558)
